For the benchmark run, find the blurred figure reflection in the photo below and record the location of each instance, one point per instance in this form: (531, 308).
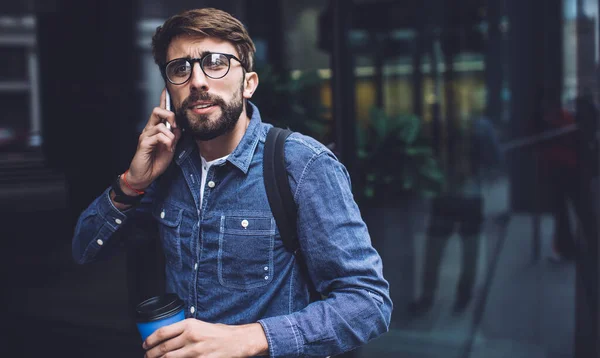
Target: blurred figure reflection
(586, 118)
(460, 209)
(565, 163)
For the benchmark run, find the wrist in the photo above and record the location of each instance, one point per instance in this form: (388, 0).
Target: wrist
(132, 186)
(255, 338)
(126, 188)
(123, 193)
(120, 206)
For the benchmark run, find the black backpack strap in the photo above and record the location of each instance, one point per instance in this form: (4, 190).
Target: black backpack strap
(278, 188)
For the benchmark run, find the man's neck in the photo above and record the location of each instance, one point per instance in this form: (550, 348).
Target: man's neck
(225, 144)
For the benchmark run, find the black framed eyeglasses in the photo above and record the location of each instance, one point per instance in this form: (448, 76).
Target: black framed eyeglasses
(214, 65)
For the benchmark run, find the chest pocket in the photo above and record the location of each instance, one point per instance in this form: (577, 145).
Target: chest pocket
(246, 251)
(169, 218)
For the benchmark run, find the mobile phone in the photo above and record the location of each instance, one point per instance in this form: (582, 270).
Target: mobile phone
(168, 108)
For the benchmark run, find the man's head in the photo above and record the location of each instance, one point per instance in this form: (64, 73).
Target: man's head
(206, 58)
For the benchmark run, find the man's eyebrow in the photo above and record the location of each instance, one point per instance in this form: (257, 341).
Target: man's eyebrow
(188, 57)
(202, 54)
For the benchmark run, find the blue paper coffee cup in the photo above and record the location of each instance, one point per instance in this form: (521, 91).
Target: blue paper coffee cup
(157, 312)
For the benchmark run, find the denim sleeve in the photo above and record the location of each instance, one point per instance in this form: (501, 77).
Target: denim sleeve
(100, 228)
(342, 264)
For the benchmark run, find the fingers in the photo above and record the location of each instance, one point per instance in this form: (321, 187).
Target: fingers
(163, 334)
(160, 114)
(172, 346)
(159, 128)
(160, 138)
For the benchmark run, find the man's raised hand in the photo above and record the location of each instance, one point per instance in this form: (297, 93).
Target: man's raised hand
(156, 147)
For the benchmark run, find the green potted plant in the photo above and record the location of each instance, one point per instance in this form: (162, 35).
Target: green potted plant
(293, 102)
(397, 171)
(395, 160)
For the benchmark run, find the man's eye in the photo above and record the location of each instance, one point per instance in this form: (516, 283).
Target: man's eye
(181, 69)
(216, 64)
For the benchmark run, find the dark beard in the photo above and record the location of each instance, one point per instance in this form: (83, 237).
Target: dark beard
(200, 127)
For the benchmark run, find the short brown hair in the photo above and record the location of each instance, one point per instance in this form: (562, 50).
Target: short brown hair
(207, 22)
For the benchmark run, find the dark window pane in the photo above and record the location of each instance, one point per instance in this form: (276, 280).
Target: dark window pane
(13, 64)
(15, 110)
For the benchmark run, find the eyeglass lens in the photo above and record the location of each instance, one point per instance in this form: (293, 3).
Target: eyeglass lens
(214, 66)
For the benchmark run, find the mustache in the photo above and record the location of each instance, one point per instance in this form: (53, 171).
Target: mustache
(202, 96)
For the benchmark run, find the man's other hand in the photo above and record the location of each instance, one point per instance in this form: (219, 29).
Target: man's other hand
(195, 338)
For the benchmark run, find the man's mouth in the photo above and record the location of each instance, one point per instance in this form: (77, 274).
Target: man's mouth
(201, 105)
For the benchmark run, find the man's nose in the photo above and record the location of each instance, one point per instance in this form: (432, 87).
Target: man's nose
(198, 81)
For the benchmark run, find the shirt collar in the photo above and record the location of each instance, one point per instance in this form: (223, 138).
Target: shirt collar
(241, 155)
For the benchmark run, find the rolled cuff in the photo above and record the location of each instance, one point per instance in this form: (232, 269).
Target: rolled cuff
(113, 216)
(283, 336)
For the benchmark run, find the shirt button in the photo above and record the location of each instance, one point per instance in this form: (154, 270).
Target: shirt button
(266, 277)
(195, 266)
(211, 184)
(266, 268)
(162, 214)
(192, 309)
(245, 223)
(100, 242)
(118, 221)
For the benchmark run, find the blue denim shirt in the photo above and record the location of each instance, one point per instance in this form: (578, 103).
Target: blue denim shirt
(225, 257)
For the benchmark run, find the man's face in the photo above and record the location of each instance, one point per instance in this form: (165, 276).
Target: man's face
(206, 107)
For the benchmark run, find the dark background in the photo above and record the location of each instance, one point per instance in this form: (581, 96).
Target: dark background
(81, 71)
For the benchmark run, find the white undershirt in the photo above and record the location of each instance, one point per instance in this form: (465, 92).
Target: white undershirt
(205, 166)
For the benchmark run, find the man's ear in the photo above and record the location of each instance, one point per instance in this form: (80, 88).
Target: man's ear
(250, 84)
